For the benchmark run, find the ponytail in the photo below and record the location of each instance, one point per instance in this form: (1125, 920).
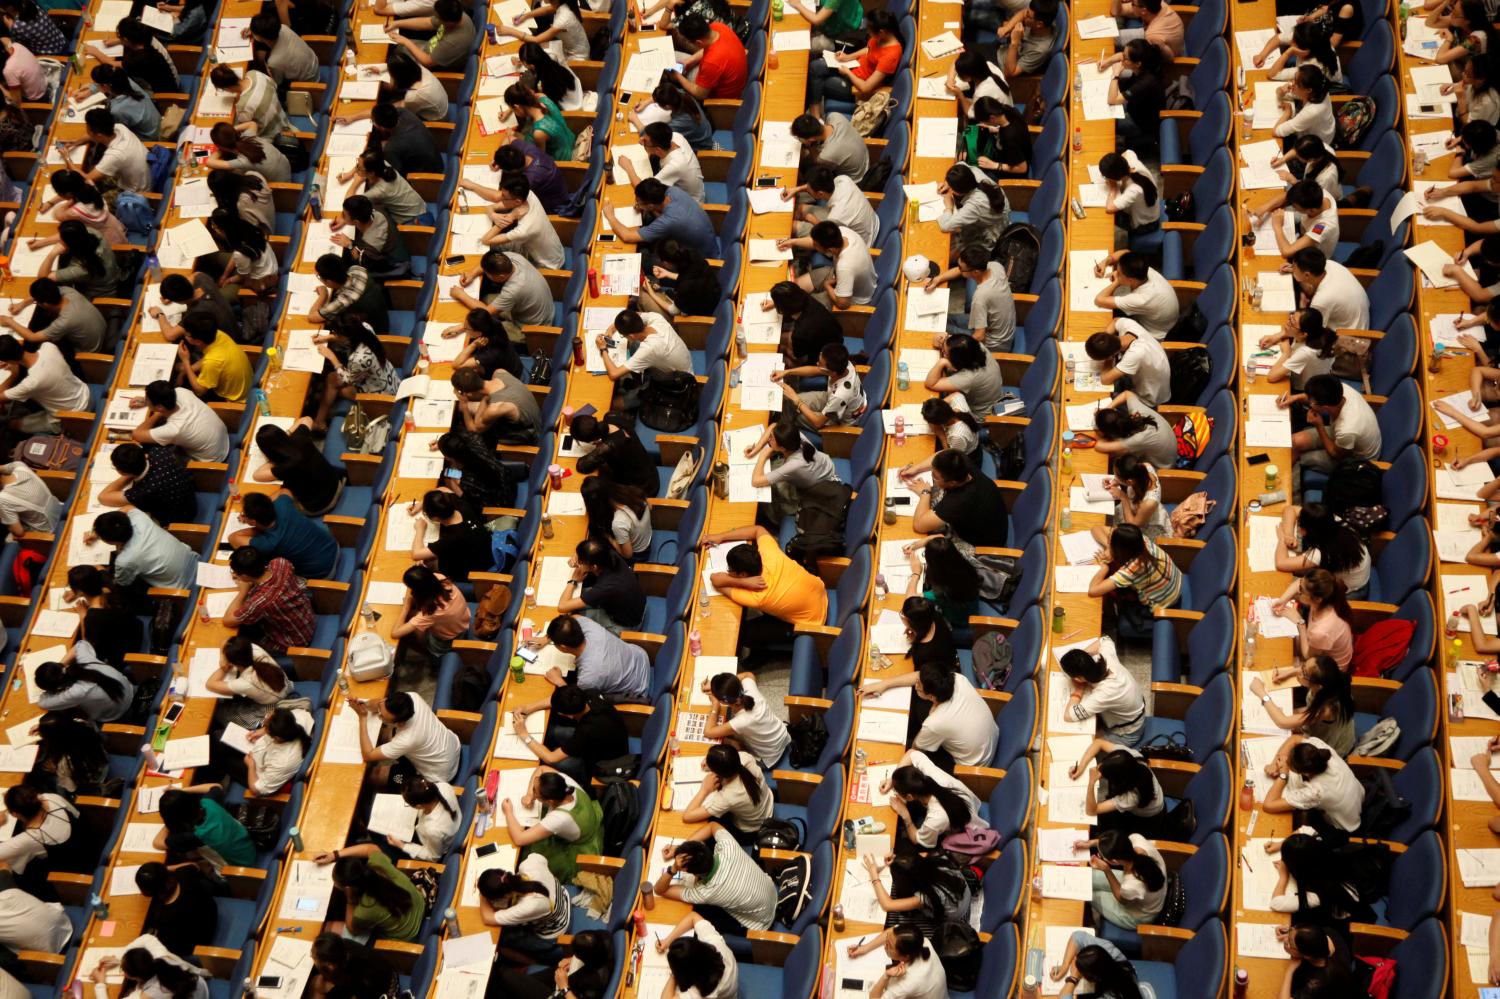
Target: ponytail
(727, 689)
(724, 762)
(910, 781)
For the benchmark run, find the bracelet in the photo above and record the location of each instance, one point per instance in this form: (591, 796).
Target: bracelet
(1071, 980)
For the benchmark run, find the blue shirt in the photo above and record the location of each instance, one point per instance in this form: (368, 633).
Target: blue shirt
(154, 556)
(609, 666)
(137, 114)
(684, 220)
(302, 541)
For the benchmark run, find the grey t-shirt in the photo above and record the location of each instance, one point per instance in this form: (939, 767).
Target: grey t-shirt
(525, 297)
(1035, 48)
(79, 322)
(1157, 444)
(450, 47)
(799, 473)
(993, 308)
(982, 388)
(844, 150)
(291, 58)
(514, 391)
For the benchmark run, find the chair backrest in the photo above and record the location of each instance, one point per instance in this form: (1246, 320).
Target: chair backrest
(1221, 411)
(844, 653)
(1210, 791)
(1218, 300)
(1404, 564)
(646, 794)
(1421, 783)
(1223, 349)
(1013, 800)
(864, 457)
(1039, 383)
(877, 385)
(1383, 173)
(1040, 437)
(1004, 886)
(1403, 488)
(854, 585)
(1215, 244)
(1416, 608)
(1394, 356)
(1048, 147)
(1394, 237)
(859, 527)
(1207, 25)
(799, 975)
(823, 806)
(1207, 721)
(1205, 882)
(1422, 962)
(1400, 418)
(1026, 648)
(1210, 643)
(1375, 56)
(839, 720)
(1209, 132)
(1029, 515)
(624, 901)
(1036, 572)
(1054, 83)
(655, 731)
(1017, 724)
(1213, 570)
(1211, 75)
(1047, 201)
(999, 963)
(1212, 186)
(1048, 260)
(819, 884)
(1200, 965)
(1397, 283)
(1418, 877)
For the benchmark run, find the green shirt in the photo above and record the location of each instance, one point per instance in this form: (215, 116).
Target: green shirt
(560, 138)
(223, 834)
(384, 923)
(847, 17)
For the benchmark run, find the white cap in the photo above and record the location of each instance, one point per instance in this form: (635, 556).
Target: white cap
(917, 268)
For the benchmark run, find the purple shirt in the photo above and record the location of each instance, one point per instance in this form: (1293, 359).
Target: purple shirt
(545, 178)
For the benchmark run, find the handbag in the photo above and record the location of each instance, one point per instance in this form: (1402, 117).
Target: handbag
(262, 822)
(541, 369)
(1167, 746)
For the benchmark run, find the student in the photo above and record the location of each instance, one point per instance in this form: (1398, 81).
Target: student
(701, 966)
(1140, 89)
(541, 170)
(288, 59)
(144, 57)
(241, 153)
(1468, 31)
(412, 88)
(603, 663)
(1136, 489)
(676, 164)
(343, 969)
(63, 316)
(841, 403)
(511, 289)
(434, 612)
(78, 199)
(247, 196)
(277, 748)
(1140, 292)
(437, 820)
(973, 207)
(1095, 960)
(557, 82)
(26, 504)
(1163, 26)
(733, 792)
(959, 725)
(617, 515)
(196, 826)
(1320, 959)
(926, 890)
(812, 326)
(1136, 894)
(788, 464)
(1132, 194)
(930, 803)
(346, 290)
(462, 546)
(151, 974)
(1328, 629)
(28, 923)
(279, 529)
(997, 141)
(969, 369)
(850, 279)
(832, 142)
(107, 625)
(861, 73)
(387, 190)
(583, 733)
(1312, 537)
(615, 452)
(1341, 425)
(541, 122)
(83, 261)
(487, 347)
(200, 294)
(519, 222)
(181, 912)
(666, 213)
(178, 417)
(451, 41)
(405, 140)
(1122, 791)
(1304, 350)
(914, 971)
(586, 973)
(1125, 425)
(531, 908)
(1478, 98)
(718, 66)
(991, 316)
(1130, 352)
(222, 370)
(603, 588)
(498, 408)
(419, 746)
(369, 238)
(257, 104)
(762, 577)
(681, 282)
(485, 482)
(33, 27)
(144, 551)
(962, 505)
(746, 716)
(1306, 108)
(271, 605)
(359, 367)
(1308, 43)
(954, 429)
(381, 901)
(950, 580)
(837, 199)
(250, 682)
(720, 880)
(1103, 689)
(931, 638)
(571, 823)
(652, 343)
(115, 151)
(1328, 713)
(1327, 285)
(559, 28)
(679, 110)
(971, 77)
(1316, 780)
(82, 682)
(297, 462)
(1136, 568)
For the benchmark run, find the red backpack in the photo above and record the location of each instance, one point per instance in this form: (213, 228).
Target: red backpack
(1381, 646)
(1377, 974)
(25, 568)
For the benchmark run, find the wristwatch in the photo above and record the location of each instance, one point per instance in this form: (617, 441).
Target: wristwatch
(1265, 698)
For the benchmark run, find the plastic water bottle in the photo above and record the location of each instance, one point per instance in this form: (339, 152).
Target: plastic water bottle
(450, 918)
(900, 429)
(315, 199)
(1250, 640)
(1078, 139)
(903, 376)
(734, 375)
(99, 905)
(695, 642)
(741, 341)
(262, 403)
(153, 268)
(778, 9)
(350, 59)
(517, 669)
(1065, 519)
(1077, 207)
(295, 835)
(881, 589)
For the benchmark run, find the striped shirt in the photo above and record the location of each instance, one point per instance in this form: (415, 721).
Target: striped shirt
(352, 291)
(734, 884)
(280, 604)
(1154, 577)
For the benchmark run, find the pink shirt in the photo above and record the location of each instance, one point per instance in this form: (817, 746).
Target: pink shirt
(23, 72)
(1331, 635)
(448, 621)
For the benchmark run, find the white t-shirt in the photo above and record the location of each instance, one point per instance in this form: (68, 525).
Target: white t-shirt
(1321, 226)
(437, 829)
(427, 100)
(20, 850)
(1341, 299)
(28, 501)
(680, 168)
(1355, 578)
(276, 763)
(729, 983)
(426, 742)
(28, 923)
(935, 824)
(760, 731)
(854, 270)
(560, 822)
(1145, 361)
(1356, 430)
(1304, 363)
(124, 161)
(194, 428)
(661, 349)
(734, 800)
(924, 979)
(531, 907)
(962, 725)
(1153, 304)
(1314, 118)
(850, 208)
(1131, 202)
(1335, 792)
(52, 385)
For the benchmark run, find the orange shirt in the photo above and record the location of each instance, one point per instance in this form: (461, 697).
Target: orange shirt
(724, 66)
(886, 58)
(792, 593)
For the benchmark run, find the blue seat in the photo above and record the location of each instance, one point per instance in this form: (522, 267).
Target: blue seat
(1017, 722)
(1212, 573)
(1416, 608)
(654, 733)
(1207, 25)
(863, 460)
(620, 906)
(853, 588)
(1205, 890)
(1036, 572)
(1223, 351)
(819, 885)
(1386, 96)
(1026, 651)
(1404, 565)
(1211, 75)
(1386, 190)
(1221, 412)
(1209, 131)
(812, 675)
(1212, 246)
(1420, 782)
(1046, 201)
(1054, 85)
(1004, 886)
(1374, 58)
(1393, 358)
(1397, 284)
(839, 720)
(1029, 513)
(238, 916)
(999, 962)
(661, 612)
(666, 546)
(716, 192)
(864, 511)
(1418, 880)
(1011, 805)
(1219, 299)
(1048, 264)
(1047, 148)
(891, 212)
(1205, 725)
(1210, 646)
(1421, 962)
(1039, 383)
(1211, 792)
(745, 117)
(819, 817)
(796, 979)
(1198, 970)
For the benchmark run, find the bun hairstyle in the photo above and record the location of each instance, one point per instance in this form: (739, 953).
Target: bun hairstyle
(1308, 760)
(1079, 665)
(908, 944)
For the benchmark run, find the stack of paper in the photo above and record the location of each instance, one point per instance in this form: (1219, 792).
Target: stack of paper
(937, 137)
(1266, 424)
(1084, 287)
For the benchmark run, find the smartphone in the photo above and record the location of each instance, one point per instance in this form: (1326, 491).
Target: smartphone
(587, 409)
(486, 849)
(852, 984)
(173, 713)
(765, 182)
(567, 442)
(896, 501)
(456, 258)
(268, 982)
(624, 100)
(1257, 459)
(606, 237)
(454, 473)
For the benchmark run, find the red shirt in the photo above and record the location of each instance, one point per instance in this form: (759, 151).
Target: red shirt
(886, 58)
(724, 66)
(280, 604)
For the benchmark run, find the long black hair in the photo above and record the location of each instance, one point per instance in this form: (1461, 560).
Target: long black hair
(1115, 845)
(600, 494)
(950, 576)
(1338, 546)
(141, 967)
(554, 80)
(1331, 688)
(962, 182)
(68, 738)
(725, 763)
(1112, 978)
(282, 726)
(55, 677)
(728, 690)
(922, 615)
(428, 591)
(939, 413)
(420, 791)
(1123, 771)
(695, 965)
(910, 781)
(80, 246)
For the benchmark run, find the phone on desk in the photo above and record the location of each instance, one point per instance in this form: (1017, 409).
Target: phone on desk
(268, 982)
(456, 258)
(765, 182)
(486, 849)
(1257, 459)
(606, 237)
(173, 713)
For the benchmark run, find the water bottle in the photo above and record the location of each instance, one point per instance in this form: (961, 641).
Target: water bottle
(734, 375)
(861, 762)
(343, 683)
(153, 269)
(450, 919)
(367, 615)
(262, 403)
(517, 669)
(295, 834)
(99, 905)
(881, 589)
(1078, 139)
(247, 987)
(741, 341)
(547, 525)
(900, 429)
(838, 918)
(778, 9)
(274, 358)
(1065, 519)
(695, 642)
(903, 376)
(1077, 207)
(349, 59)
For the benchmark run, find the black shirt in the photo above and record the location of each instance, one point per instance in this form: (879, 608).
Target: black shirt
(975, 512)
(165, 492)
(151, 68)
(213, 303)
(1144, 96)
(813, 330)
(462, 548)
(599, 735)
(112, 632)
(410, 147)
(311, 479)
(497, 354)
(188, 921)
(697, 294)
(938, 649)
(617, 592)
(625, 459)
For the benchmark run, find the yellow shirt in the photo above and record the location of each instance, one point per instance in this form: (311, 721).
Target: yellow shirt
(792, 593)
(226, 370)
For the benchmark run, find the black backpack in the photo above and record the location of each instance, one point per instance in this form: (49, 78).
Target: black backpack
(958, 947)
(821, 516)
(1017, 249)
(793, 889)
(668, 402)
(466, 692)
(1191, 370)
(1010, 457)
(1189, 328)
(1383, 809)
(1179, 824)
(1367, 256)
(876, 176)
(809, 737)
(1354, 482)
(621, 810)
(780, 834)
